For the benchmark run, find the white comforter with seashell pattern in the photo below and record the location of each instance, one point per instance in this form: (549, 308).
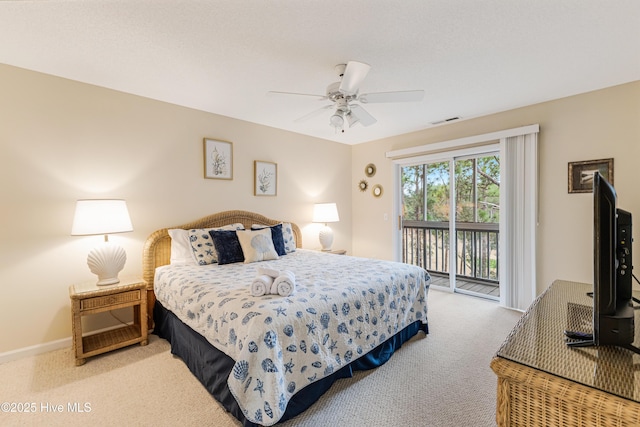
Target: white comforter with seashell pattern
(343, 307)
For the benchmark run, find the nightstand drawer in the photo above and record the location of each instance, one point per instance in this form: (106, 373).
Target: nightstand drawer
(109, 300)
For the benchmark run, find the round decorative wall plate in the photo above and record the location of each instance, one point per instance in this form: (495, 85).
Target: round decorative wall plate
(370, 170)
(377, 190)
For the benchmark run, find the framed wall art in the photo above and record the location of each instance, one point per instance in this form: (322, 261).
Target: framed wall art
(218, 159)
(581, 174)
(265, 178)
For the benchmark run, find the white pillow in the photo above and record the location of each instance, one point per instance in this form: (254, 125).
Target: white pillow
(257, 245)
(181, 252)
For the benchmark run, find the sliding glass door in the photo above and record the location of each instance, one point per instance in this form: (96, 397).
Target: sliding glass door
(477, 219)
(425, 215)
(450, 221)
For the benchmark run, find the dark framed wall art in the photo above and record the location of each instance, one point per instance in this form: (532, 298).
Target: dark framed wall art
(581, 174)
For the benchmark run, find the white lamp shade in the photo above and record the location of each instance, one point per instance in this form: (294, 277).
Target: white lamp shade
(325, 212)
(101, 217)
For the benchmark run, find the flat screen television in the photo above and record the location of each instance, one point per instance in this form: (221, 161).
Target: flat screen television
(613, 311)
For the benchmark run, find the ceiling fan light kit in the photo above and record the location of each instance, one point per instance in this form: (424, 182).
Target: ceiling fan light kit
(352, 119)
(345, 94)
(336, 120)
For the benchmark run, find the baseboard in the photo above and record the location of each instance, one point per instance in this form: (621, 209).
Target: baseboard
(34, 350)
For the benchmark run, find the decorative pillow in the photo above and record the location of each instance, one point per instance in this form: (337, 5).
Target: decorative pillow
(257, 245)
(288, 237)
(203, 250)
(276, 236)
(181, 252)
(227, 246)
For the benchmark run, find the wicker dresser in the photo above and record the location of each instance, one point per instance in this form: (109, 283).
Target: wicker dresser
(88, 298)
(543, 382)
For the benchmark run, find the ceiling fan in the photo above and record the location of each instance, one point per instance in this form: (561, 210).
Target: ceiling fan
(344, 95)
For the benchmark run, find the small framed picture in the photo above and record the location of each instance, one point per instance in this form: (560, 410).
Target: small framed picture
(218, 159)
(265, 178)
(581, 174)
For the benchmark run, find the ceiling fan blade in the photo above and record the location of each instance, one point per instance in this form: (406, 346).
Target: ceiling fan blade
(354, 74)
(399, 96)
(362, 115)
(276, 93)
(312, 114)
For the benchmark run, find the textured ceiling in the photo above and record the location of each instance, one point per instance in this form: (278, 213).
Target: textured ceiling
(470, 57)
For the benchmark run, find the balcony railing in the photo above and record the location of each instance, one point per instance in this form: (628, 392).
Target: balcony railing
(426, 243)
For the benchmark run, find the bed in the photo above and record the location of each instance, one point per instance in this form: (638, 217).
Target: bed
(267, 358)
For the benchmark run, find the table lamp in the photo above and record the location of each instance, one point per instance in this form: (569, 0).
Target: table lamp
(103, 217)
(325, 212)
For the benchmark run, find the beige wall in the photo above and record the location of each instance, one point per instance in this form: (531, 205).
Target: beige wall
(62, 140)
(595, 125)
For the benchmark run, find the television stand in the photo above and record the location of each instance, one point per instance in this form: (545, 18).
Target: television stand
(544, 382)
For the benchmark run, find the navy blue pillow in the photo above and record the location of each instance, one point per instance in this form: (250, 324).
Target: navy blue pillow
(227, 246)
(276, 236)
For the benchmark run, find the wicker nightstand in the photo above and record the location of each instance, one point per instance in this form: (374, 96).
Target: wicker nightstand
(88, 298)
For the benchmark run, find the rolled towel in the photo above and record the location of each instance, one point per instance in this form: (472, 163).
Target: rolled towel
(285, 283)
(271, 272)
(261, 285)
(274, 288)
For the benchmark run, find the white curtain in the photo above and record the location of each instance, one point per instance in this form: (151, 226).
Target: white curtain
(518, 219)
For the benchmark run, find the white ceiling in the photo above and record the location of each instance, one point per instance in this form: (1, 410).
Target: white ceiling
(471, 57)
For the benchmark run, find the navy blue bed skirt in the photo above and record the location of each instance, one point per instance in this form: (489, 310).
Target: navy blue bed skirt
(212, 367)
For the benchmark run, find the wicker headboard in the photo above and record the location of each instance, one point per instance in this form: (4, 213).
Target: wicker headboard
(157, 248)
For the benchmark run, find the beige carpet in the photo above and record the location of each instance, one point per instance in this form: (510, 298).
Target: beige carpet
(440, 380)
